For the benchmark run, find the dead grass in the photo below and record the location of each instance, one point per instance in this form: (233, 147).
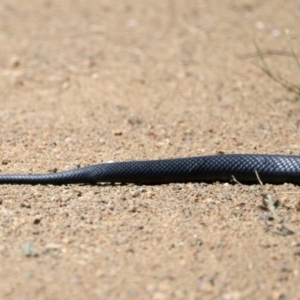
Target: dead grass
(287, 84)
(272, 204)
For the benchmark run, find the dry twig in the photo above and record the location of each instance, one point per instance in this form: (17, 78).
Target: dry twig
(295, 88)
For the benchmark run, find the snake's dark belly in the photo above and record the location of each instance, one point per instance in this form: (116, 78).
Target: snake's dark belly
(270, 168)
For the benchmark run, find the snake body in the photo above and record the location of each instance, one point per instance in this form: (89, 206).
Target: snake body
(270, 168)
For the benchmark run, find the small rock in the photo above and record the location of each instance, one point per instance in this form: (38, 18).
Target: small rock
(227, 197)
(5, 161)
(136, 193)
(25, 204)
(132, 208)
(65, 85)
(29, 250)
(37, 219)
(14, 62)
(197, 242)
(118, 132)
(266, 216)
(53, 249)
(134, 120)
(177, 187)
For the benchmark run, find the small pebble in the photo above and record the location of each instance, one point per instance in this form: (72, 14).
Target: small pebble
(135, 194)
(266, 216)
(25, 204)
(14, 62)
(132, 208)
(52, 249)
(37, 219)
(29, 250)
(5, 161)
(118, 132)
(65, 85)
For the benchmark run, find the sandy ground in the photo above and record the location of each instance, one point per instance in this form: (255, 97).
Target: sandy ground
(84, 82)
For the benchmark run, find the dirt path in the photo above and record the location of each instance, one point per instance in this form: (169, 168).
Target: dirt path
(85, 82)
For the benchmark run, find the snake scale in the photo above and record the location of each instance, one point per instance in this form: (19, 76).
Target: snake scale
(271, 169)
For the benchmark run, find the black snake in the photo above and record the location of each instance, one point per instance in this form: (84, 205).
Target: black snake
(270, 168)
